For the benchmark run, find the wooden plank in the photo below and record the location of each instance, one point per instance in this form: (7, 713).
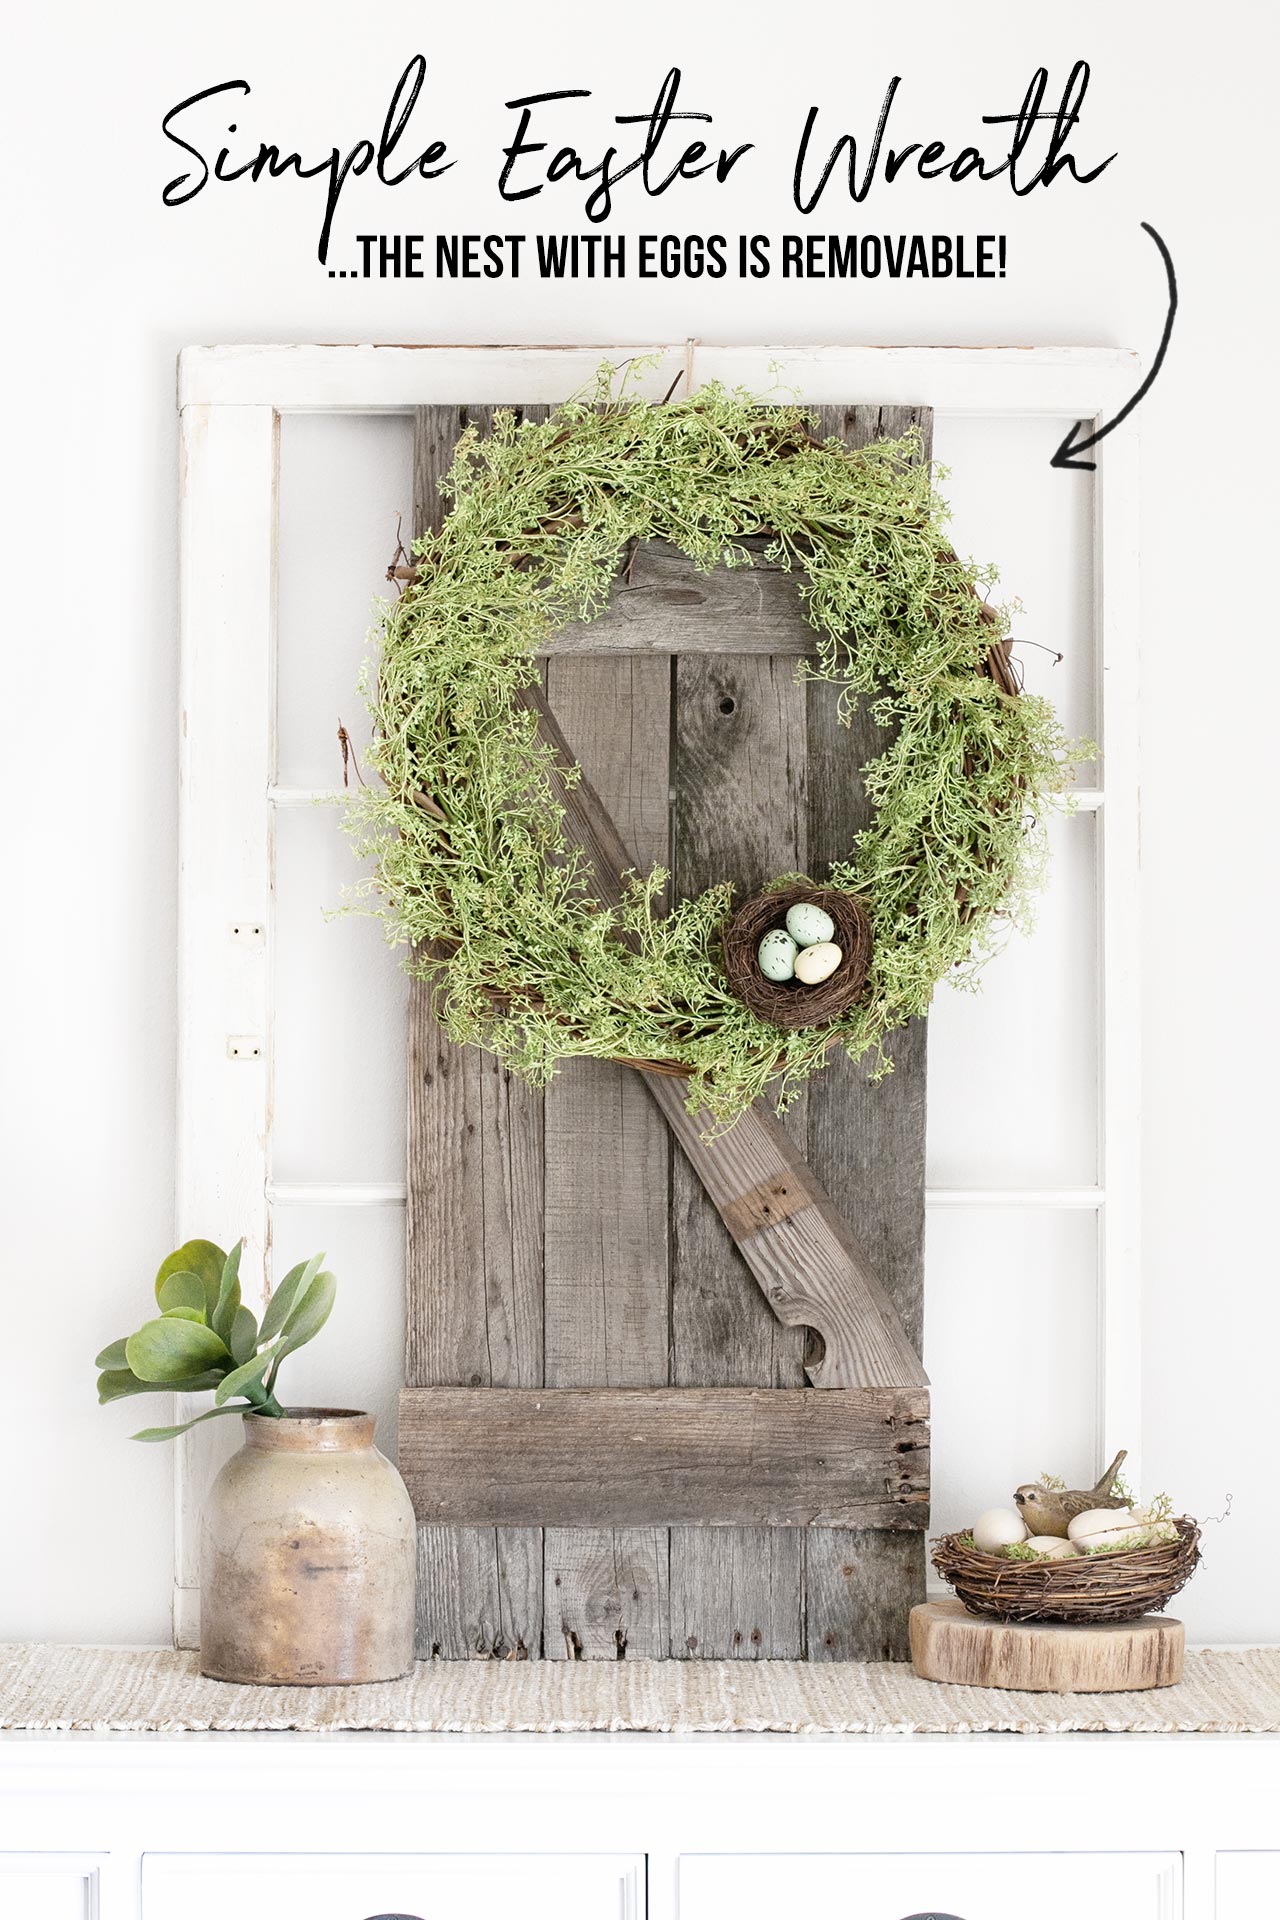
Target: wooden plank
(715, 1616)
(662, 604)
(865, 1143)
(792, 1237)
(608, 1592)
(474, 1254)
(1080, 383)
(711, 1459)
(226, 752)
(801, 1252)
(738, 779)
(607, 1155)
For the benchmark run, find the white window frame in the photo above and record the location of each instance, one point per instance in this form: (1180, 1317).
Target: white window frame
(231, 400)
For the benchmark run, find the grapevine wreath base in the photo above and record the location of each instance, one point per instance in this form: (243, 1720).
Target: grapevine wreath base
(471, 867)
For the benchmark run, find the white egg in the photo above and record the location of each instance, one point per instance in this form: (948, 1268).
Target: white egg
(1050, 1547)
(814, 964)
(808, 925)
(1119, 1539)
(776, 955)
(998, 1527)
(1099, 1520)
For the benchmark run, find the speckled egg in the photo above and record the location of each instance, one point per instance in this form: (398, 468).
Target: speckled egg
(776, 955)
(808, 925)
(814, 964)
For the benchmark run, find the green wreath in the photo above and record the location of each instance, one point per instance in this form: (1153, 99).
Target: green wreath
(471, 867)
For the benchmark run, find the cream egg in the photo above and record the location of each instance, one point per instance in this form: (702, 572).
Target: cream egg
(998, 1527)
(1099, 1520)
(815, 964)
(808, 925)
(1048, 1546)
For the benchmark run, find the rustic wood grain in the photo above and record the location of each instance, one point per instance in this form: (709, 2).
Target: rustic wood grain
(792, 1237)
(662, 604)
(607, 1292)
(950, 1644)
(718, 1458)
(738, 778)
(474, 1253)
(866, 1144)
(762, 785)
(797, 1246)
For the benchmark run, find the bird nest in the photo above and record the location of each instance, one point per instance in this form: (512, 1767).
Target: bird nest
(1089, 1589)
(789, 1004)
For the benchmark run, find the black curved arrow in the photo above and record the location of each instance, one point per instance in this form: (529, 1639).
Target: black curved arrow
(1070, 446)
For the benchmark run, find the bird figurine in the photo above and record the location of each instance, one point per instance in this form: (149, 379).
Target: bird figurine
(1050, 1510)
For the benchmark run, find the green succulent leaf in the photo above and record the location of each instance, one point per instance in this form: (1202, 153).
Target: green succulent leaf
(185, 1426)
(246, 1376)
(183, 1290)
(285, 1297)
(244, 1336)
(228, 1303)
(170, 1349)
(194, 1314)
(116, 1383)
(306, 1320)
(112, 1358)
(203, 1259)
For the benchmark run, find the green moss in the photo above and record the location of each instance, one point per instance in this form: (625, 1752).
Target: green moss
(470, 867)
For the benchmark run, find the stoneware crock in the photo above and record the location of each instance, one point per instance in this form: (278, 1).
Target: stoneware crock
(308, 1564)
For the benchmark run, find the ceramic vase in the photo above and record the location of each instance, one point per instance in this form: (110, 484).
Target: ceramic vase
(308, 1562)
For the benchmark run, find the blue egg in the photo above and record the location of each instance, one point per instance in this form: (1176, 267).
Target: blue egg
(808, 925)
(777, 955)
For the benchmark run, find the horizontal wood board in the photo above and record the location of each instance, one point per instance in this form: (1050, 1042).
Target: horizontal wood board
(539, 1257)
(610, 1457)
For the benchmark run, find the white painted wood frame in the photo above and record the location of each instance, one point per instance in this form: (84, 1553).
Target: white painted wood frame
(231, 400)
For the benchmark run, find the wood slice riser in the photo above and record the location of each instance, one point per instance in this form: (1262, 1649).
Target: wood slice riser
(951, 1645)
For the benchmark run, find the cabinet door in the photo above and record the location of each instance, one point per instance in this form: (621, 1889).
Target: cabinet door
(46, 1887)
(940, 1886)
(1248, 1886)
(381, 1886)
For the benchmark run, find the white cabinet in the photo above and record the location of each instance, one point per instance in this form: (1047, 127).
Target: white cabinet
(35, 1886)
(942, 1886)
(381, 1886)
(1248, 1886)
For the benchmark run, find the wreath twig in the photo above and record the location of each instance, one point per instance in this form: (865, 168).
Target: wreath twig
(472, 866)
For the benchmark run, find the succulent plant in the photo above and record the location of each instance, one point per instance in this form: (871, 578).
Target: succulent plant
(206, 1337)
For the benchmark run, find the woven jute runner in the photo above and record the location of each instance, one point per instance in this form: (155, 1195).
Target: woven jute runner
(56, 1689)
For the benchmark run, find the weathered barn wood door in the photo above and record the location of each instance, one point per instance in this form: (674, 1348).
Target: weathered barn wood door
(564, 1241)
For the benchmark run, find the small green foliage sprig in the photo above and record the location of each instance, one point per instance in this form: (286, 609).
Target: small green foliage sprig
(206, 1337)
(471, 867)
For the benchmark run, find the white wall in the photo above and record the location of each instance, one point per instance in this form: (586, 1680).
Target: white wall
(108, 286)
